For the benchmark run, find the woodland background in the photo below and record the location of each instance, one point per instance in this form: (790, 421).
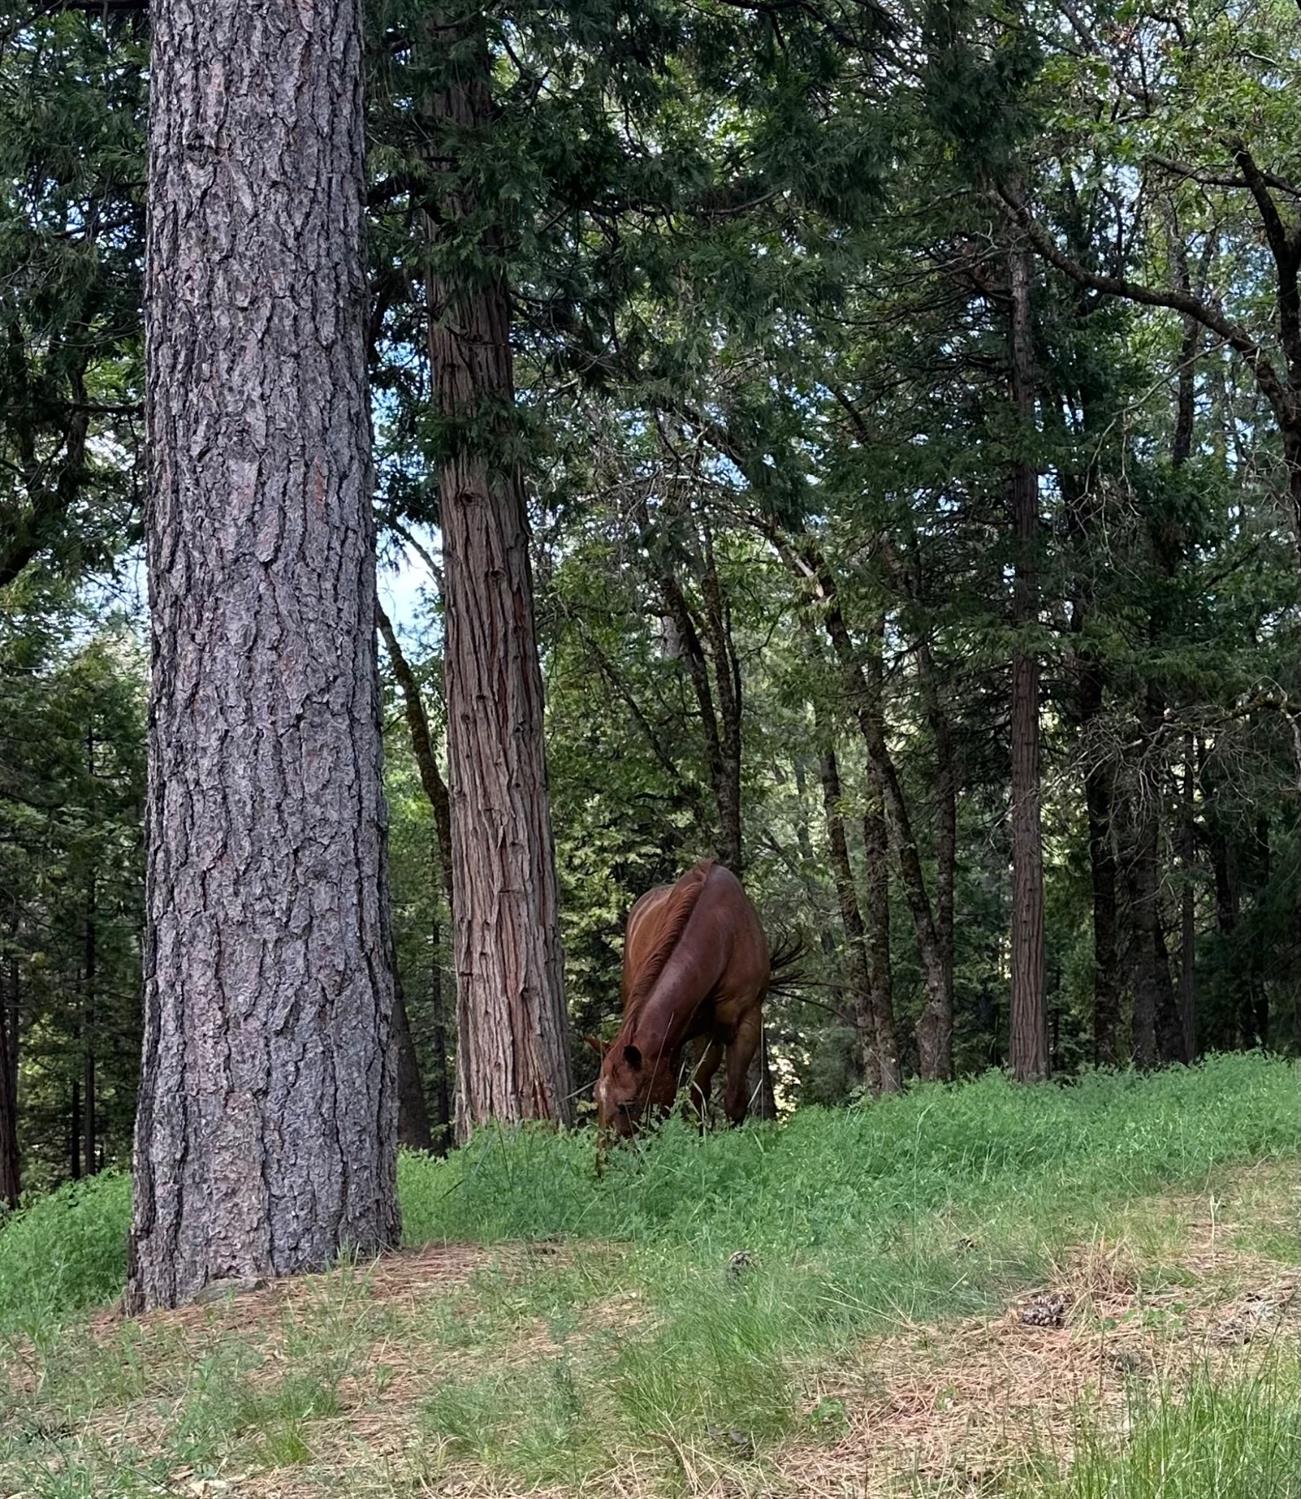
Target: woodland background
(910, 402)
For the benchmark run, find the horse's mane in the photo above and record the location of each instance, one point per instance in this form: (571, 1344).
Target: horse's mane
(676, 915)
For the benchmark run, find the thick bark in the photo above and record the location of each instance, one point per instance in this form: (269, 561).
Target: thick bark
(266, 1127)
(512, 1041)
(1028, 1030)
(10, 1161)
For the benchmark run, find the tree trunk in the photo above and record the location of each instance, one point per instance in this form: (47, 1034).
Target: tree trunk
(512, 1030)
(1188, 905)
(727, 686)
(74, 1131)
(946, 815)
(935, 1021)
(88, 962)
(266, 1127)
(422, 746)
(863, 690)
(10, 1161)
(1098, 801)
(851, 919)
(1028, 1031)
(413, 1113)
(443, 1119)
(863, 683)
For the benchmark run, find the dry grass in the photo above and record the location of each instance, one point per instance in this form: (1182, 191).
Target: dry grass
(948, 1410)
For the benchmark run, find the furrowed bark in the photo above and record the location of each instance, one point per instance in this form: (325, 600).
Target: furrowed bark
(266, 1125)
(512, 1029)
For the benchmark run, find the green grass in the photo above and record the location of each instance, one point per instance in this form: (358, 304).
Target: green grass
(1215, 1439)
(913, 1209)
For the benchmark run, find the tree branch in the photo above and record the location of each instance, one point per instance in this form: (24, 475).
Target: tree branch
(1237, 337)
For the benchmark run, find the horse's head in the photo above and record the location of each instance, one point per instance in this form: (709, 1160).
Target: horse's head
(629, 1087)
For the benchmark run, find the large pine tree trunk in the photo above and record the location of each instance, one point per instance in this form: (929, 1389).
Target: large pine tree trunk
(266, 1127)
(512, 1033)
(1028, 1030)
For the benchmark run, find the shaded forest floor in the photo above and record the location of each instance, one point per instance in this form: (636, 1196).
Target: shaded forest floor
(1046, 1323)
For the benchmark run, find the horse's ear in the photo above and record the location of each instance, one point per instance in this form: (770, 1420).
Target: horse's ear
(632, 1056)
(598, 1046)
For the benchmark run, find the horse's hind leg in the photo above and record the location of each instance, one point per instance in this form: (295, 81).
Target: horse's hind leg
(740, 1053)
(708, 1057)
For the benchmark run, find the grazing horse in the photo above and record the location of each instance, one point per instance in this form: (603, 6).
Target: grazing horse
(695, 969)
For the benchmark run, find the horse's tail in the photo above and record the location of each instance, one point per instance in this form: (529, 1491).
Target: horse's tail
(784, 963)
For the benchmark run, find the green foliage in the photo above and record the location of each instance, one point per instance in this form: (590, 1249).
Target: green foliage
(64, 1253)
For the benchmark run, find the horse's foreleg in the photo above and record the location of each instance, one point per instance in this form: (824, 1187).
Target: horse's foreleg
(740, 1053)
(702, 1077)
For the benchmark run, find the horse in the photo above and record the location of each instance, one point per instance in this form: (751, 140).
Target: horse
(696, 968)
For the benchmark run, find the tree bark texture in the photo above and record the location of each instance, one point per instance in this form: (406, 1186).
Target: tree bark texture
(1028, 1030)
(266, 1125)
(512, 1031)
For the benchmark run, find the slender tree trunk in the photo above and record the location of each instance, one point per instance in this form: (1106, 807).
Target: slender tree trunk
(727, 686)
(946, 817)
(863, 691)
(851, 919)
(422, 746)
(266, 1128)
(936, 1021)
(935, 1024)
(1188, 905)
(443, 1116)
(1028, 1037)
(74, 1131)
(1106, 952)
(88, 1022)
(512, 1030)
(10, 1161)
(413, 1112)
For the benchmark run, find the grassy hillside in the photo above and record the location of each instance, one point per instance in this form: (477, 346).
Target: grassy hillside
(709, 1312)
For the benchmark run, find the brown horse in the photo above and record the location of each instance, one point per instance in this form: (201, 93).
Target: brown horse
(695, 969)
